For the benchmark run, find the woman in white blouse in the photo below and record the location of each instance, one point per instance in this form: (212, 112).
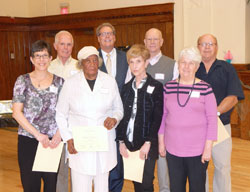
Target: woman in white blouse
(89, 98)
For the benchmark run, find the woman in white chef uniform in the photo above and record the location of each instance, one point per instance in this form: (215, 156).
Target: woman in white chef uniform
(89, 98)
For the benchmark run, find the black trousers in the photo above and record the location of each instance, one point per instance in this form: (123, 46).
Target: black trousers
(183, 168)
(148, 177)
(31, 180)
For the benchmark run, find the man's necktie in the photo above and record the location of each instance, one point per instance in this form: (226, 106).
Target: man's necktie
(109, 64)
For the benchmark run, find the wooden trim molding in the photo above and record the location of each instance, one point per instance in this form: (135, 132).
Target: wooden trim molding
(241, 67)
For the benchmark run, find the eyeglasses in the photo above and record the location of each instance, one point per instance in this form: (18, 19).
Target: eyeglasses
(104, 34)
(209, 44)
(37, 56)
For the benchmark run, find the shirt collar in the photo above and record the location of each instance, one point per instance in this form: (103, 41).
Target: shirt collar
(155, 59)
(66, 63)
(143, 81)
(104, 54)
(214, 65)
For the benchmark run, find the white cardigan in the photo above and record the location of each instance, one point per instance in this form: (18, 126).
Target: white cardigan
(79, 106)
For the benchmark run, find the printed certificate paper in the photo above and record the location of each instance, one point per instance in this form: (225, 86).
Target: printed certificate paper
(133, 167)
(47, 159)
(90, 138)
(222, 133)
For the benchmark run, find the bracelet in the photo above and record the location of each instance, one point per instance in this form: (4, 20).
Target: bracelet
(148, 142)
(121, 142)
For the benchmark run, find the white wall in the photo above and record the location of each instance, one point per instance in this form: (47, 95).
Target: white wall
(37, 8)
(14, 8)
(247, 50)
(223, 18)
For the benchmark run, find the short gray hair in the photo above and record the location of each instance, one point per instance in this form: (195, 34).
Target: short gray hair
(61, 33)
(191, 53)
(98, 29)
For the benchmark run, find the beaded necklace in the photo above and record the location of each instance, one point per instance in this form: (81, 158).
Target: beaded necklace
(189, 95)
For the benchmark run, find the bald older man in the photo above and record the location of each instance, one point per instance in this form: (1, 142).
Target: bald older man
(227, 89)
(63, 66)
(163, 69)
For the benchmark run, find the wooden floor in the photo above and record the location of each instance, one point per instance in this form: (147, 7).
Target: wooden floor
(10, 180)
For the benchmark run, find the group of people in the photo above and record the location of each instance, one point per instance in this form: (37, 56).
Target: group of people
(145, 100)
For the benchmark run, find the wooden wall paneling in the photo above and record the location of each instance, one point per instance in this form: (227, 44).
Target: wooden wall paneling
(169, 39)
(4, 65)
(244, 111)
(26, 50)
(132, 37)
(83, 37)
(17, 57)
(49, 37)
(142, 29)
(12, 70)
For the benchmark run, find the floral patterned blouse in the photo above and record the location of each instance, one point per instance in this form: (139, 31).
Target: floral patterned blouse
(38, 105)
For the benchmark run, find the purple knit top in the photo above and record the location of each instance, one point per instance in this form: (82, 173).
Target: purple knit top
(187, 128)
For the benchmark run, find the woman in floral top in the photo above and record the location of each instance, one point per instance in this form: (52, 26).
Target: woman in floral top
(34, 102)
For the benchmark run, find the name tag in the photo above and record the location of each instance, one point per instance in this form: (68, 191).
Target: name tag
(53, 89)
(160, 76)
(195, 94)
(150, 89)
(73, 72)
(104, 91)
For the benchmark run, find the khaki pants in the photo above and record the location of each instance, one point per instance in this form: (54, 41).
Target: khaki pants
(163, 175)
(221, 155)
(62, 177)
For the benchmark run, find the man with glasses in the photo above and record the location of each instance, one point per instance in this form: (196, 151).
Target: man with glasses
(163, 69)
(227, 89)
(63, 66)
(115, 64)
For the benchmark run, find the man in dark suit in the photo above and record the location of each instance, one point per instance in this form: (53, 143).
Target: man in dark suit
(115, 64)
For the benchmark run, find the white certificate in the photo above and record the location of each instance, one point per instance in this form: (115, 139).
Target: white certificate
(47, 159)
(133, 167)
(90, 138)
(222, 133)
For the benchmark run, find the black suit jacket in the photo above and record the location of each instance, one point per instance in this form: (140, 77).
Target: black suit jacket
(121, 67)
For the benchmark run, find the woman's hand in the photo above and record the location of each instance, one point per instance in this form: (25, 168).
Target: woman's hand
(71, 147)
(55, 141)
(162, 150)
(109, 123)
(43, 139)
(144, 150)
(207, 153)
(123, 150)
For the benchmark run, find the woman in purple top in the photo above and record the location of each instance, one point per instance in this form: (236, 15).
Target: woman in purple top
(189, 125)
(34, 101)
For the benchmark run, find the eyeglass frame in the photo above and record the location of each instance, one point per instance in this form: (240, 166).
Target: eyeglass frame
(104, 34)
(204, 44)
(44, 56)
